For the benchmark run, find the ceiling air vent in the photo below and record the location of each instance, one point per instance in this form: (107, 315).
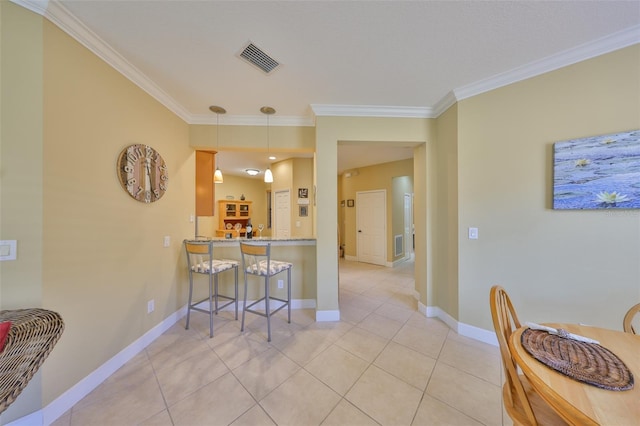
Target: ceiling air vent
(252, 54)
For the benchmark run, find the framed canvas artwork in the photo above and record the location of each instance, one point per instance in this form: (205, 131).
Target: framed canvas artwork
(597, 172)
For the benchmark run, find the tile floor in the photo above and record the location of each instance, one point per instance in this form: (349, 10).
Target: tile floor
(383, 363)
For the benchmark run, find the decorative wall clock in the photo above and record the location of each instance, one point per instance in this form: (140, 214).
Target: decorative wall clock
(142, 173)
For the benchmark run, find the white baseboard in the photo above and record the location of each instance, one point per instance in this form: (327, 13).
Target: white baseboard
(462, 329)
(325, 316)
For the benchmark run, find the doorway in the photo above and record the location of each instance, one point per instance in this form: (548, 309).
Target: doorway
(282, 222)
(371, 227)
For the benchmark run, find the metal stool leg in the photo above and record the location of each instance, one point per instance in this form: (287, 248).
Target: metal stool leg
(289, 293)
(235, 283)
(266, 304)
(190, 296)
(211, 305)
(244, 305)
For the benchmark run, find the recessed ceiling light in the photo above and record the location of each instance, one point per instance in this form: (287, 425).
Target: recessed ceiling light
(271, 157)
(252, 172)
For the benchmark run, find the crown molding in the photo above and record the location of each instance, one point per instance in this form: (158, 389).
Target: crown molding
(61, 17)
(371, 111)
(607, 44)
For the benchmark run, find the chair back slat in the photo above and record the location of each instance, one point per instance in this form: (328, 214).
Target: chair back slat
(628, 319)
(505, 321)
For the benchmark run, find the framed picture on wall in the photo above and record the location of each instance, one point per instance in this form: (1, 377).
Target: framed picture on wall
(597, 172)
(350, 203)
(303, 192)
(304, 211)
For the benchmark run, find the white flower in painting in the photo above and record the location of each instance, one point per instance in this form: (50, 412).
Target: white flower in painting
(612, 197)
(582, 162)
(608, 141)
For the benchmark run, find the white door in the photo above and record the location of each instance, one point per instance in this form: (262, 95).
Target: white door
(371, 227)
(283, 214)
(408, 225)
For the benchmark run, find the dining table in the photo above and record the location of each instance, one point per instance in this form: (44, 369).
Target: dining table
(578, 402)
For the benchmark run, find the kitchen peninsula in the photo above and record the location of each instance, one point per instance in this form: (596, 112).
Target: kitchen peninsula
(300, 251)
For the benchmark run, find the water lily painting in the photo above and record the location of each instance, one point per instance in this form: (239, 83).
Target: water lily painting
(598, 172)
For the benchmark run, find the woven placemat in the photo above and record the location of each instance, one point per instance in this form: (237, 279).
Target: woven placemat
(586, 362)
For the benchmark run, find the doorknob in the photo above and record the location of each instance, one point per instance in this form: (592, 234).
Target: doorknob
(359, 230)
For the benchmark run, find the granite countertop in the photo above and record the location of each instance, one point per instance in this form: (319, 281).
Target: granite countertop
(274, 241)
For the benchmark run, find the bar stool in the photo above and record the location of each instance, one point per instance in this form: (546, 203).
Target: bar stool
(256, 260)
(200, 260)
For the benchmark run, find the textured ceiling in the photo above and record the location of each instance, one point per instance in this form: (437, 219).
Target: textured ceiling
(385, 58)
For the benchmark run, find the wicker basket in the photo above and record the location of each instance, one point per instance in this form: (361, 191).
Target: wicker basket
(33, 334)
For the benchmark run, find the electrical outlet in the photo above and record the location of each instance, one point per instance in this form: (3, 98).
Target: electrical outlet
(151, 306)
(280, 283)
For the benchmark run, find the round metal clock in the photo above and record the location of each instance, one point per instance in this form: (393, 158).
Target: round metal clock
(142, 173)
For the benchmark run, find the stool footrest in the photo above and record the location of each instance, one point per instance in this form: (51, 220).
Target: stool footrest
(264, 314)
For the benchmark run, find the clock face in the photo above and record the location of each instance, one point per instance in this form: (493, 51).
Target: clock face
(142, 173)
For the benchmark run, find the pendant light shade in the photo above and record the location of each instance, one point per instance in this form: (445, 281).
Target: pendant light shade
(217, 176)
(268, 176)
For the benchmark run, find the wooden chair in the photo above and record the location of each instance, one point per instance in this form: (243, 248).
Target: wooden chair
(522, 403)
(256, 260)
(200, 260)
(628, 318)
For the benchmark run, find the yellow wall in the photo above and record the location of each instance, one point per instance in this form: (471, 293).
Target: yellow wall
(21, 174)
(573, 266)
(445, 258)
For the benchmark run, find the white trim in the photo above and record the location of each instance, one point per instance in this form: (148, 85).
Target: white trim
(28, 420)
(610, 43)
(326, 316)
(462, 329)
(254, 120)
(372, 111)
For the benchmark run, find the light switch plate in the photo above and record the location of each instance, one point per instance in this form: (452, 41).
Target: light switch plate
(473, 233)
(8, 249)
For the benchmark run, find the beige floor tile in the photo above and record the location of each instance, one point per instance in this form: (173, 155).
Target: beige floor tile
(385, 398)
(264, 372)
(127, 379)
(218, 403)
(362, 343)
(472, 396)
(129, 406)
(436, 413)
(422, 340)
(473, 359)
(180, 349)
(394, 312)
(337, 368)
(303, 347)
(346, 414)
(406, 364)
(240, 349)
(301, 400)
(190, 375)
(353, 314)
(254, 417)
(160, 419)
(382, 326)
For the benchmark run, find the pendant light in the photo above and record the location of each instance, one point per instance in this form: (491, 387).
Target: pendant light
(268, 176)
(217, 176)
